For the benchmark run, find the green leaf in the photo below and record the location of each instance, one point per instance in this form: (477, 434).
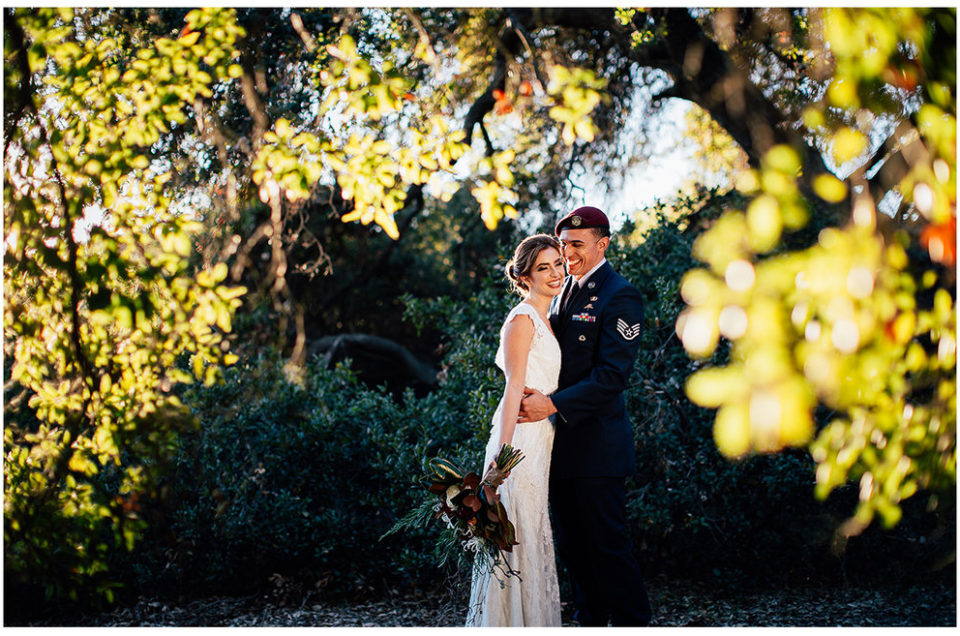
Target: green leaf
(829, 188)
(36, 57)
(764, 223)
(848, 144)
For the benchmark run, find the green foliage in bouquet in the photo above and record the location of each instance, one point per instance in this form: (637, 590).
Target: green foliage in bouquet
(473, 517)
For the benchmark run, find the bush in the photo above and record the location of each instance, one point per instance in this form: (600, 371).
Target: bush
(298, 480)
(301, 478)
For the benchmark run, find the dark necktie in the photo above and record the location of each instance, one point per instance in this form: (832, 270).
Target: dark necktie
(572, 292)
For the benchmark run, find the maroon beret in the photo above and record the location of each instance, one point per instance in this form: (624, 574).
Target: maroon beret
(583, 217)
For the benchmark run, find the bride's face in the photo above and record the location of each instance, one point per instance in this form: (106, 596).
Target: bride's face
(546, 275)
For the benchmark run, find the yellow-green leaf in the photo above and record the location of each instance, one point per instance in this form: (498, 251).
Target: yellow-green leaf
(829, 188)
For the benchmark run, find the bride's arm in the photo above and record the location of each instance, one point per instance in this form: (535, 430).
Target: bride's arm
(517, 339)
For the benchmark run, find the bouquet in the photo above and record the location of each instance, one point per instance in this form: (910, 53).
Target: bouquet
(469, 508)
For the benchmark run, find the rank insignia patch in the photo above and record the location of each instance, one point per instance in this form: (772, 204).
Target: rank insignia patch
(629, 332)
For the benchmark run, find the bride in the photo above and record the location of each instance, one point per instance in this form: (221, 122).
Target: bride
(529, 356)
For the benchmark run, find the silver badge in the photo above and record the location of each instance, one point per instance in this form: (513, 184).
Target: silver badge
(575, 221)
(593, 299)
(591, 285)
(629, 332)
(582, 338)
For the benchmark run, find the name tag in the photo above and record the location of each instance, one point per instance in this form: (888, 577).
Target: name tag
(584, 318)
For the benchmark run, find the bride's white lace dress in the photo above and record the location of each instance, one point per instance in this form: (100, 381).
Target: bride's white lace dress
(534, 600)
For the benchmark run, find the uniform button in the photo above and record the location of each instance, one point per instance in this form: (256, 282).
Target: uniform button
(583, 338)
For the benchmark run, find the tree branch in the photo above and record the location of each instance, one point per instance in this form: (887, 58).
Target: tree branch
(710, 79)
(906, 148)
(514, 21)
(485, 103)
(431, 55)
(251, 98)
(507, 44)
(21, 98)
(666, 93)
(486, 139)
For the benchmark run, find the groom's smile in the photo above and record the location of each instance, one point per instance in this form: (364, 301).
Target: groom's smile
(581, 249)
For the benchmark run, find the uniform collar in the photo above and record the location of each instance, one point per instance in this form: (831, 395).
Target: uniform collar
(583, 279)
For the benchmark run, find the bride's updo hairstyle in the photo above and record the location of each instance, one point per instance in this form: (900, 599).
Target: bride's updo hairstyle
(525, 256)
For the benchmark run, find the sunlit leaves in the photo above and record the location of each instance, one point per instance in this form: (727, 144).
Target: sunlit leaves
(837, 323)
(848, 144)
(351, 79)
(644, 31)
(832, 322)
(373, 173)
(829, 188)
(100, 323)
(288, 162)
(893, 48)
(862, 41)
(578, 92)
(495, 197)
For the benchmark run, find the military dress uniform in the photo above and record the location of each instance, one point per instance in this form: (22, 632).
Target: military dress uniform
(598, 329)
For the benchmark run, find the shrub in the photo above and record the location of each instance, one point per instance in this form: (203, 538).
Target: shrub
(302, 478)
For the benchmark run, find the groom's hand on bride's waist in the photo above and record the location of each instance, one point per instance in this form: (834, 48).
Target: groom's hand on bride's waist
(535, 406)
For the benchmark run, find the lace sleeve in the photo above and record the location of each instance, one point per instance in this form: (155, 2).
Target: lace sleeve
(538, 328)
(523, 308)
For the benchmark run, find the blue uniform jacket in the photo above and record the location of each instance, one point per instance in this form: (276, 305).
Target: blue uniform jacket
(599, 336)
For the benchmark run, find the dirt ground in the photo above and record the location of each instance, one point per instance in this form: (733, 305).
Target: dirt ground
(675, 604)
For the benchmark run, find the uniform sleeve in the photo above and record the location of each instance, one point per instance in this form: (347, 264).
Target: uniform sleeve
(618, 343)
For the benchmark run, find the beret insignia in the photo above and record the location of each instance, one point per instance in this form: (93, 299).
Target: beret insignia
(575, 221)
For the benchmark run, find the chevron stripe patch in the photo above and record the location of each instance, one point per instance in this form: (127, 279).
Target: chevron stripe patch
(629, 332)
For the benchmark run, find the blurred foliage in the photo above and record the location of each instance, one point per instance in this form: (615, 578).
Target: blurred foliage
(101, 322)
(578, 93)
(863, 321)
(718, 159)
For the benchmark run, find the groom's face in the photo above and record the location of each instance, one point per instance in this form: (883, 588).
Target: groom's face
(582, 249)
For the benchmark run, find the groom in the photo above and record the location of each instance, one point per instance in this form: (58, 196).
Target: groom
(597, 319)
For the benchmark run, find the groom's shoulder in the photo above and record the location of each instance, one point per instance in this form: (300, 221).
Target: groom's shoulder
(616, 283)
